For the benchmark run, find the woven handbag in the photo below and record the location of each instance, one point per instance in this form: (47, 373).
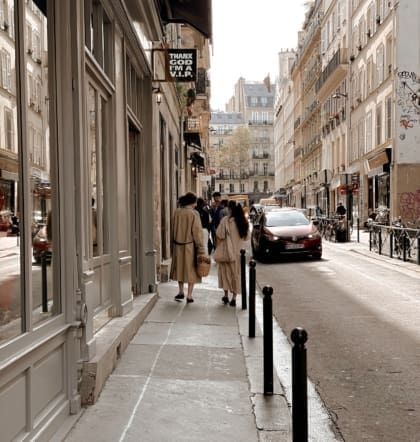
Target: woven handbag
(203, 265)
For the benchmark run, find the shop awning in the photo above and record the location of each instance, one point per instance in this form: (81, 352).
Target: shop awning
(198, 161)
(192, 139)
(196, 13)
(380, 159)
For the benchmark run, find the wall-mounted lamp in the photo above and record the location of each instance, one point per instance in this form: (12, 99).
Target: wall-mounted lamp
(340, 94)
(158, 94)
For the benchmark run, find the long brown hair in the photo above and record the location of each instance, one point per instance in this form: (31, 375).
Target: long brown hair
(237, 213)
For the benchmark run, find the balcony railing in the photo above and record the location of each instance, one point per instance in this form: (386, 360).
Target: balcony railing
(260, 122)
(339, 58)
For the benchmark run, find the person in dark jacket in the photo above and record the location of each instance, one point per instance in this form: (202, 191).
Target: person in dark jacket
(341, 210)
(203, 211)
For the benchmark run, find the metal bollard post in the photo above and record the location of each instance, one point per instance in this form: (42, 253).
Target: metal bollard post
(380, 241)
(418, 251)
(391, 244)
(268, 339)
(404, 244)
(44, 282)
(358, 229)
(251, 316)
(370, 239)
(243, 279)
(299, 386)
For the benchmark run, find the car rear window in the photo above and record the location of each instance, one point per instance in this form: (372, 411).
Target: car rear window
(280, 219)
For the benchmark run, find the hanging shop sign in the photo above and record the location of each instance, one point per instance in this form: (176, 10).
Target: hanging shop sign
(181, 64)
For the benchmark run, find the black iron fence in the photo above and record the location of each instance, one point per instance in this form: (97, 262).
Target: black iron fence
(395, 241)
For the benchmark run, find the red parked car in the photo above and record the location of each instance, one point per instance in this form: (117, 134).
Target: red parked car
(285, 232)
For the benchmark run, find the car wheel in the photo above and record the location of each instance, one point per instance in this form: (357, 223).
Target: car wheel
(317, 256)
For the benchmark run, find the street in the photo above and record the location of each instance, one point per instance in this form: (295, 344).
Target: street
(361, 315)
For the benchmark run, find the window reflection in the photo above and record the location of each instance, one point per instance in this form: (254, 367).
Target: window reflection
(38, 145)
(10, 222)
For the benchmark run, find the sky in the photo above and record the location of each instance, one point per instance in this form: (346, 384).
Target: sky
(247, 36)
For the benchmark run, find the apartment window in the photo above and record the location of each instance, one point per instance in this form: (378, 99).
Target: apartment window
(255, 186)
(379, 124)
(323, 41)
(265, 169)
(28, 38)
(3, 13)
(254, 117)
(388, 117)
(379, 65)
(264, 116)
(264, 101)
(221, 187)
(12, 24)
(242, 187)
(231, 188)
(388, 55)
(379, 11)
(36, 45)
(371, 18)
(368, 142)
(338, 15)
(361, 137)
(369, 75)
(8, 129)
(254, 101)
(6, 75)
(265, 186)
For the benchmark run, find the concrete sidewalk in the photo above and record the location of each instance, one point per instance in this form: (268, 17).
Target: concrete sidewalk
(189, 374)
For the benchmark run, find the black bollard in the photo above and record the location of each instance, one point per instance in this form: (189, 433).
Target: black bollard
(243, 279)
(44, 282)
(268, 339)
(358, 229)
(299, 386)
(404, 244)
(391, 244)
(380, 241)
(251, 316)
(418, 251)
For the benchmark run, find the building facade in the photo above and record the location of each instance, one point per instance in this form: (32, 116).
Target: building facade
(356, 110)
(255, 153)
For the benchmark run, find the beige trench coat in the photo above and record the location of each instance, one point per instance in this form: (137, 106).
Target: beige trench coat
(229, 273)
(187, 233)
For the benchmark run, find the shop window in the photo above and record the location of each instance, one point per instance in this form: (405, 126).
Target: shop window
(97, 142)
(23, 209)
(98, 34)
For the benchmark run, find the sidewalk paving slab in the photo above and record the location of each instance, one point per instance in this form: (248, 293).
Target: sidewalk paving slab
(190, 373)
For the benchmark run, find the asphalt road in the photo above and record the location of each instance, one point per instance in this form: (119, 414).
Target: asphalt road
(363, 321)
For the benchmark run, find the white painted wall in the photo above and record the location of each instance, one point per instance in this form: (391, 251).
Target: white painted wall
(408, 83)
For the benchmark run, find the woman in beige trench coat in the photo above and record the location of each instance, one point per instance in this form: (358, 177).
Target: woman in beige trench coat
(187, 236)
(229, 273)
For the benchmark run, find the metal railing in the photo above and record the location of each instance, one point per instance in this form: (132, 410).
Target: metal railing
(395, 241)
